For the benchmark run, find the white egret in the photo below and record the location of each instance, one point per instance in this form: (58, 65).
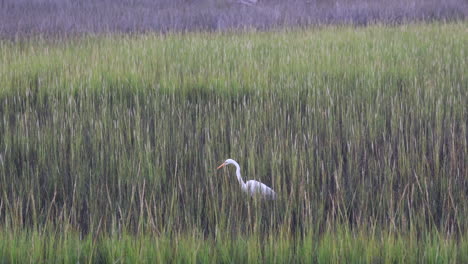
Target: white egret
(253, 188)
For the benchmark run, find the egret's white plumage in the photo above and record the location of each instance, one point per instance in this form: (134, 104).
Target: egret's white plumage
(251, 187)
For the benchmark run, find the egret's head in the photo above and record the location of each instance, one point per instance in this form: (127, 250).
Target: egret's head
(228, 161)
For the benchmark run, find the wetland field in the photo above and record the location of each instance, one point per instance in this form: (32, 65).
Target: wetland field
(109, 145)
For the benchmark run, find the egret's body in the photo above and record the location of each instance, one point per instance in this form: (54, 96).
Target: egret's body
(253, 188)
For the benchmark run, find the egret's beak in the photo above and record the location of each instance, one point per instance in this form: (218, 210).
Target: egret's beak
(222, 165)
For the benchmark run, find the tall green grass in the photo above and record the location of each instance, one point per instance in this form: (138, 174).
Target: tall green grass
(336, 247)
(361, 129)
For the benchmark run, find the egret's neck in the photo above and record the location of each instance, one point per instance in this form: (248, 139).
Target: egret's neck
(239, 177)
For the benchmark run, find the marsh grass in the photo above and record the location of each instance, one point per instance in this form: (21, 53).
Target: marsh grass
(334, 247)
(19, 18)
(109, 139)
